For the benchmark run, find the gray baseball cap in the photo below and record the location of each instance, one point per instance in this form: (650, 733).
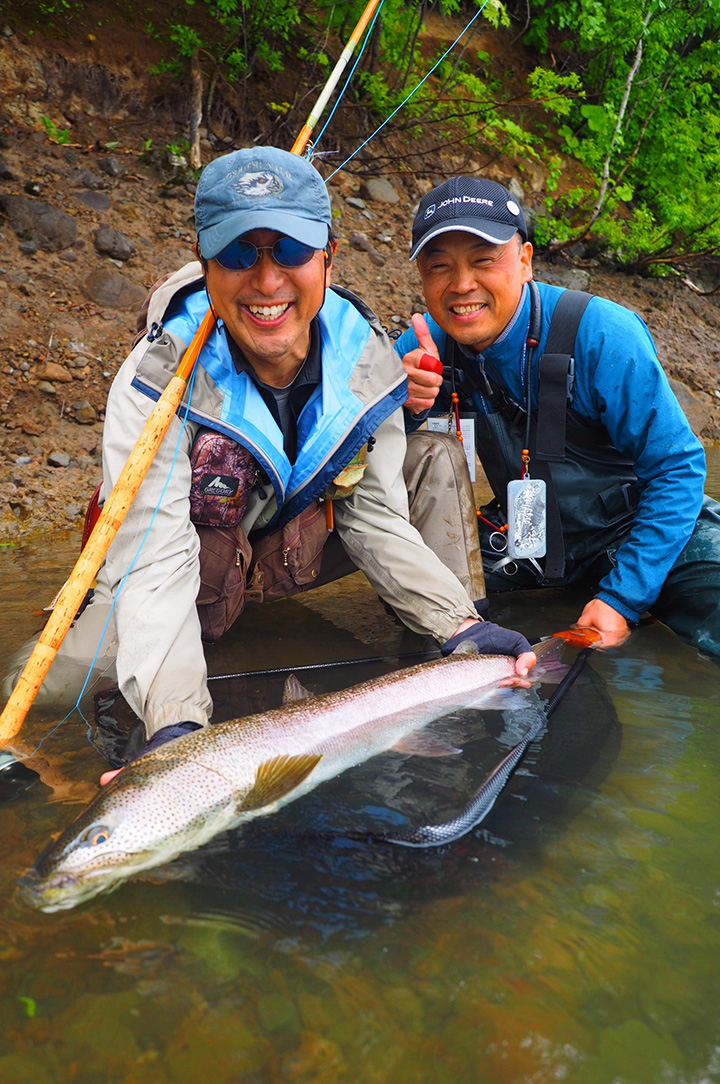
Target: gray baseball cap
(260, 188)
(470, 204)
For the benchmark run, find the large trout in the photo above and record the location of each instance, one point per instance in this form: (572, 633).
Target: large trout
(181, 795)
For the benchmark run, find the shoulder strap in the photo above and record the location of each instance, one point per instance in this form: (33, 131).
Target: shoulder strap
(555, 369)
(554, 373)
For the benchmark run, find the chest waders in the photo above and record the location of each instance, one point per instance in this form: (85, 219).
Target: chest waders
(592, 490)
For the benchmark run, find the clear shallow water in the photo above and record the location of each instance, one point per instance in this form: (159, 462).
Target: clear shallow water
(575, 938)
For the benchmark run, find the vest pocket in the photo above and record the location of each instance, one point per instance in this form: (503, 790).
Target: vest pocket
(619, 500)
(289, 560)
(225, 555)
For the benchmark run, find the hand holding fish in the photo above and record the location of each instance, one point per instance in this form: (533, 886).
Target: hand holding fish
(491, 639)
(611, 625)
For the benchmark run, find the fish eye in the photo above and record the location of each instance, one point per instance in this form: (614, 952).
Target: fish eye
(95, 834)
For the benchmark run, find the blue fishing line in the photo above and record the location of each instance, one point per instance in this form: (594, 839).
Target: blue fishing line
(313, 146)
(76, 706)
(407, 99)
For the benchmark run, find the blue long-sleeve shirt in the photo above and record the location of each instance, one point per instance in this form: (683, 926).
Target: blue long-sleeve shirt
(619, 382)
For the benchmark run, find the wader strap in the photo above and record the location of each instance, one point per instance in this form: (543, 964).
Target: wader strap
(555, 374)
(554, 386)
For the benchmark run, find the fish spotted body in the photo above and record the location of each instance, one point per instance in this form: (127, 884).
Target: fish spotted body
(181, 795)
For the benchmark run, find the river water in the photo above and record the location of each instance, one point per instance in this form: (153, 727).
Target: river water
(576, 936)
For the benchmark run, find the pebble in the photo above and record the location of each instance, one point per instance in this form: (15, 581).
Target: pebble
(58, 459)
(359, 241)
(380, 189)
(23, 460)
(47, 387)
(110, 165)
(84, 413)
(355, 201)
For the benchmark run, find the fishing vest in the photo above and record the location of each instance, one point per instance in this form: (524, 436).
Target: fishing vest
(592, 490)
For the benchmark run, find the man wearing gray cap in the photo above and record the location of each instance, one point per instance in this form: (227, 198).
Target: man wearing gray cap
(294, 406)
(597, 476)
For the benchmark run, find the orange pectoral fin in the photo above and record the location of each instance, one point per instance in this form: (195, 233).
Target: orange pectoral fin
(579, 637)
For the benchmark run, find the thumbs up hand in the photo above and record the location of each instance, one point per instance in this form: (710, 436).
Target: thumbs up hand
(423, 382)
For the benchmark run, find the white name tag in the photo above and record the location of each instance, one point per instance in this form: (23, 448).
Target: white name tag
(444, 423)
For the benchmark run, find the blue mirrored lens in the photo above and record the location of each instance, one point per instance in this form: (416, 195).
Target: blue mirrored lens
(241, 255)
(291, 253)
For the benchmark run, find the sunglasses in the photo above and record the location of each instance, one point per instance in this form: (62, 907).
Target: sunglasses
(241, 255)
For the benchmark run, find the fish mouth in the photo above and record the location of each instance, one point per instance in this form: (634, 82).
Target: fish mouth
(57, 892)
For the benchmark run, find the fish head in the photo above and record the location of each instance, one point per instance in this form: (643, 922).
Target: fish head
(141, 819)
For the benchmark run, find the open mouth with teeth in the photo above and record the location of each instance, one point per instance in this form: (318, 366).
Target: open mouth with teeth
(467, 310)
(266, 314)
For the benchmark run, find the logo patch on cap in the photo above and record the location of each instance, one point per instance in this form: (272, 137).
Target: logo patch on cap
(429, 211)
(512, 207)
(258, 185)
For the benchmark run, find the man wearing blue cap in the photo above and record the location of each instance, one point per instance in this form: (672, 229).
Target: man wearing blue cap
(604, 444)
(295, 403)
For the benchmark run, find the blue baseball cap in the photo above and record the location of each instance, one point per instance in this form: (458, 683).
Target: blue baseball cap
(260, 188)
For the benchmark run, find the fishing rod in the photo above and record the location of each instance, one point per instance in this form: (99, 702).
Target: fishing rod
(132, 475)
(569, 636)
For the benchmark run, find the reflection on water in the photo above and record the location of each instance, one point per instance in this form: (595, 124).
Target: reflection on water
(575, 937)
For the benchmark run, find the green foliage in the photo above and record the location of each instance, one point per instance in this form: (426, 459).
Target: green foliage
(234, 35)
(554, 91)
(650, 124)
(57, 135)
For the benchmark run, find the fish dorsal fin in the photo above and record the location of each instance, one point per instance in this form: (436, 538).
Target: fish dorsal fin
(277, 777)
(465, 647)
(294, 690)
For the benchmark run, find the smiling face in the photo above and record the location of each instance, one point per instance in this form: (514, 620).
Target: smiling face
(472, 288)
(267, 309)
